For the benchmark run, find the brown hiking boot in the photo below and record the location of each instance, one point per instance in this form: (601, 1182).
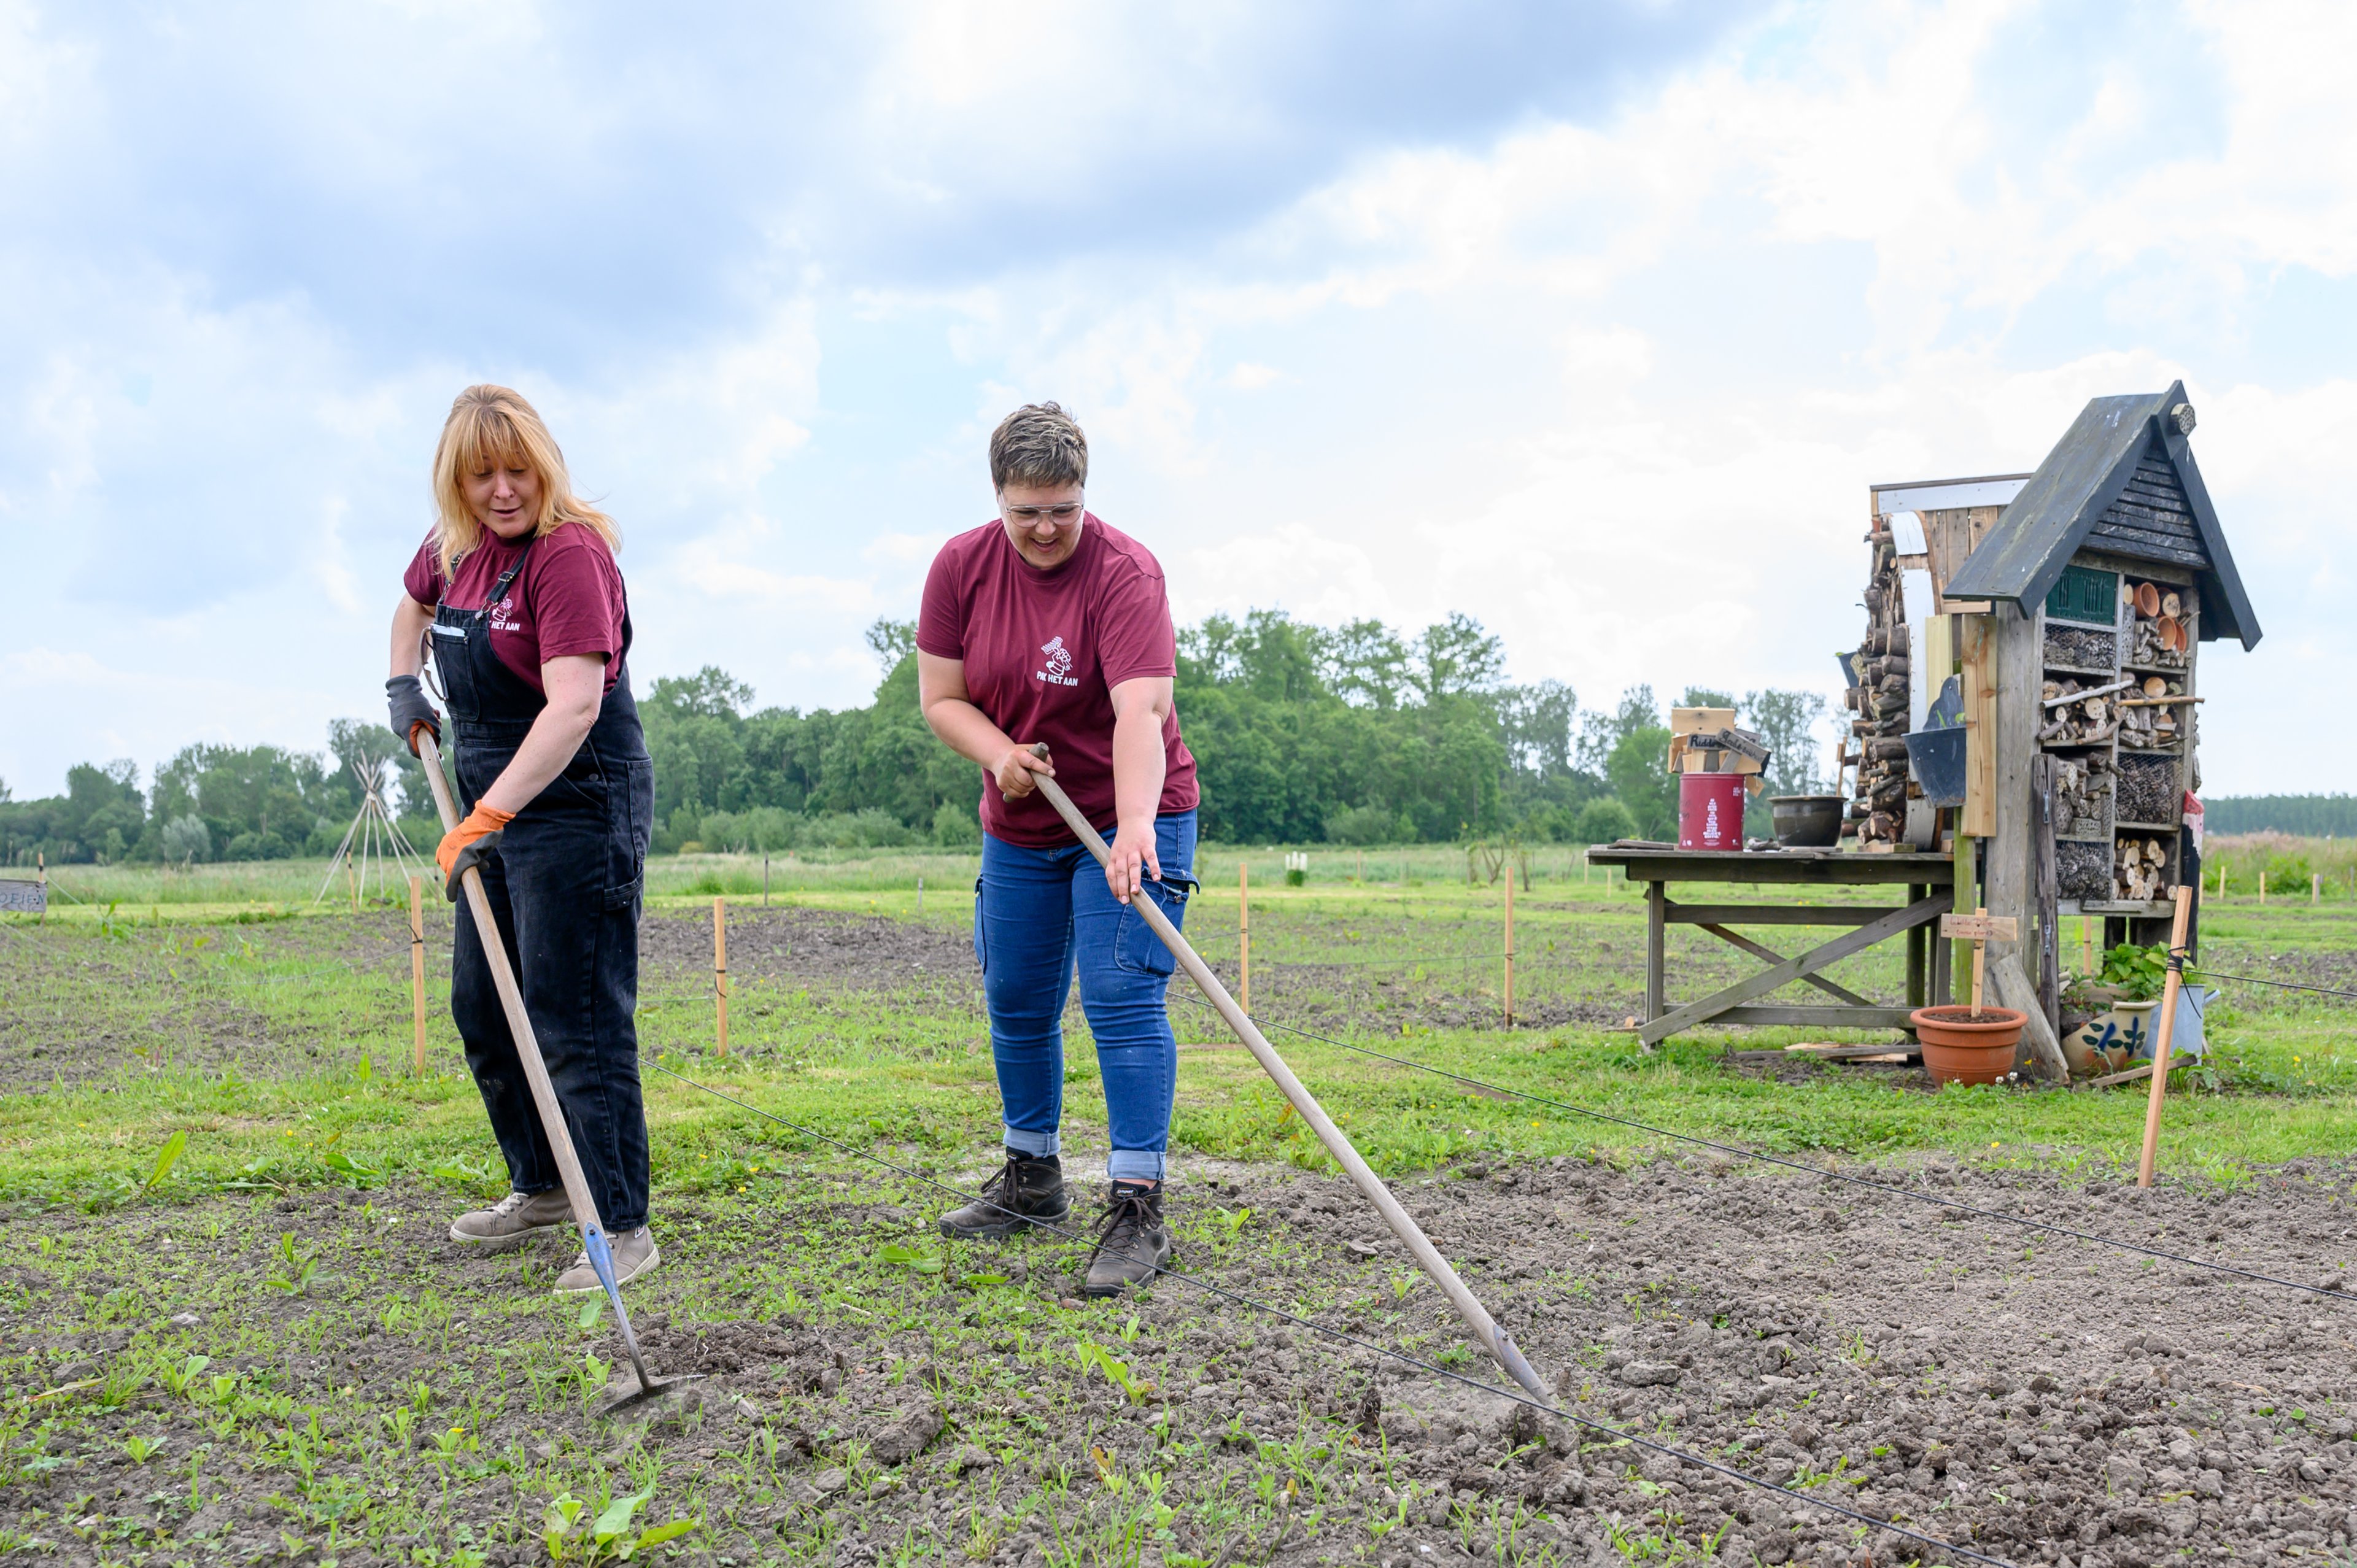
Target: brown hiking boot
(1132, 1243)
(634, 1255)
(515, 1219)
(1025, 1192)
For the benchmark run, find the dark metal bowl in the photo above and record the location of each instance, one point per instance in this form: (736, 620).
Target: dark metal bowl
(1806, 822)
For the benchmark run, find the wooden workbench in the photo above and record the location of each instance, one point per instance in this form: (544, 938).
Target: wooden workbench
(1929, 879)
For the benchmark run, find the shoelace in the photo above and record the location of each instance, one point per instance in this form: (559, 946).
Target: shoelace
(1127, 1213)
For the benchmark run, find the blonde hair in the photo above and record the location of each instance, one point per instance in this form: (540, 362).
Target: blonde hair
(491, 425)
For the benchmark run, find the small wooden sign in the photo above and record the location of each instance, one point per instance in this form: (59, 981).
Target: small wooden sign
(1980, 927)
(23, 898)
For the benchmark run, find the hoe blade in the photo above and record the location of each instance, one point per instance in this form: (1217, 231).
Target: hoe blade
(601, 1258)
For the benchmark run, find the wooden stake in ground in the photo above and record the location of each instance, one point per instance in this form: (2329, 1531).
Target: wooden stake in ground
(765, 881)
(2315, 889)
(2262, 886)
(920, 898)
(417, 971)
(1510, 949)
(2160, 1037)
(352, 881)
(720, 970)
(1243, 936)
(2087, 946)
(1980, 963)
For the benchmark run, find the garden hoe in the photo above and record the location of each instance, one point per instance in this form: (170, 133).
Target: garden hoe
(1492, 1338)
(543, 1096)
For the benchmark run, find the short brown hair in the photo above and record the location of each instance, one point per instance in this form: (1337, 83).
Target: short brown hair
(1040, 444)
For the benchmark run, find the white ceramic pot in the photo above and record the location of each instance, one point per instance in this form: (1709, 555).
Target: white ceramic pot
(2111, 1039)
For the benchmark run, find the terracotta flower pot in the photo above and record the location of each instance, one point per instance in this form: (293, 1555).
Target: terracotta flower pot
(1961, 1046)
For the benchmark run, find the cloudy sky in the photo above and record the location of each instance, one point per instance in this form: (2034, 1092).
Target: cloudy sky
(1592, 320)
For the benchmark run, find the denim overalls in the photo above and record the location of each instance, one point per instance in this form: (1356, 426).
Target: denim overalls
(565, 889)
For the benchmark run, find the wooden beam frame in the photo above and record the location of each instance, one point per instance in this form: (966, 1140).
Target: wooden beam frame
(1719, 1003)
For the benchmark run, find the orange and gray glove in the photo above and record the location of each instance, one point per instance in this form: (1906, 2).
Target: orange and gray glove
(411, 712)
(470, 844)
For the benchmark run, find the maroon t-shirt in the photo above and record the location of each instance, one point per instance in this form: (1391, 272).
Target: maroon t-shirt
(567, 599)
(1043, 651)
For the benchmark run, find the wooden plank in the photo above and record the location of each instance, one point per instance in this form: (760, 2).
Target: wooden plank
(1921, 912)
(1678, 914)
(2018, 655)
(1980, 927)
(1979, 817)
(2045, 890)
(1900, 1050)
(1656, 938)
(1781, 867)
(1820, 1017)
(1758, 950)
(1919, 966)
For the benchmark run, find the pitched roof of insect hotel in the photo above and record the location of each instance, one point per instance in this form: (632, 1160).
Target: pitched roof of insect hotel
(2121, 480)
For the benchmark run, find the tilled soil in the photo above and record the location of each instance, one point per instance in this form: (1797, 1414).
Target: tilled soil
(2035, 1400)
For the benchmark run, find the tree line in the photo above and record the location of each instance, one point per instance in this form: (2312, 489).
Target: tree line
(1357, 733)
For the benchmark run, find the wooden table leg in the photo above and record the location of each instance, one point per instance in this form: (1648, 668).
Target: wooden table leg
(1942, 973)
(1656, 937)
(1918, 954)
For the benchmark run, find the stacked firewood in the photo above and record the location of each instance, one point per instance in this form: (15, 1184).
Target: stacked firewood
(1878, 813)
(2141, 869)
(2079, 713)
(2151, 728)
(2082, 786)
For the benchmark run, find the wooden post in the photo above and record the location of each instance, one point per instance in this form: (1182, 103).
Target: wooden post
(2087, 946)
(1243, 936)
(1980, 965)
(2160, 1037)
(2044, 893)
(920, 898)
(2315, 889)
(352, 883)
(1656, 938)
(1510, 949)
(720, 969)
(41, 874)
(765, 880)
(417, 971)
(2262, 886)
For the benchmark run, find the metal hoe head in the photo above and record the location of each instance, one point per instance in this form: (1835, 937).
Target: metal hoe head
(601, 1258)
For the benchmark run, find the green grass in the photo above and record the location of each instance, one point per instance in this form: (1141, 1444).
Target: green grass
(358, 1399)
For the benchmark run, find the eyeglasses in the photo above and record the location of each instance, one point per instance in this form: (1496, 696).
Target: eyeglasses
(1026, 515)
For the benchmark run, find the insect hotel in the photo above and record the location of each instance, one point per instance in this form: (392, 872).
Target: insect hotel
(2026, 697)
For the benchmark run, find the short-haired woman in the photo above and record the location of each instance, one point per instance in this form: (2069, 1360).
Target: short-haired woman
(516, 591)
(1044, 624)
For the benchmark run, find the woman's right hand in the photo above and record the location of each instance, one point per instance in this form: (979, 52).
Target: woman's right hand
(1015, 770)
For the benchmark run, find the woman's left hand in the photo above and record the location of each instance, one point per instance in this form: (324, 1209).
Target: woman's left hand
(1130, 859)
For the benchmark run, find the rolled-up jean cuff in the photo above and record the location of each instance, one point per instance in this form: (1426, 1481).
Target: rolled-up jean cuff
(1135, 1165)
(1038, 1145)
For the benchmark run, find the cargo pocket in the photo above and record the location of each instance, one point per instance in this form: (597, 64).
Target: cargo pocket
(629, 823)
(1136, 949)
(980, 954)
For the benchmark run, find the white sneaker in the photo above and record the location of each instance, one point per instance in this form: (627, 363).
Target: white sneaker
(515, 1219)
(634, 1255)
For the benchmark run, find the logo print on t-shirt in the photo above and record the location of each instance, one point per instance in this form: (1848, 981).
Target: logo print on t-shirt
(504, 616)
(1059, 663)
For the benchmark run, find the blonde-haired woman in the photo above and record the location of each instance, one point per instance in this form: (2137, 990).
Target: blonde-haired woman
(517, 592)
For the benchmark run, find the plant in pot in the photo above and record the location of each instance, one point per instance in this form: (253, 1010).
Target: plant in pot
(2107, 1040)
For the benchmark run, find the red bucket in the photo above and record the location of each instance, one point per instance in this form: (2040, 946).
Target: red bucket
(1710, 811)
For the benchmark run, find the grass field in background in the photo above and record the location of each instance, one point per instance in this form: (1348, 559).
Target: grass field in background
(1367, 963)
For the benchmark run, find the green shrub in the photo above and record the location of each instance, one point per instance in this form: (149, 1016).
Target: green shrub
(1361, 825)
(1603, 820)
(956, 826)
(2288, 874)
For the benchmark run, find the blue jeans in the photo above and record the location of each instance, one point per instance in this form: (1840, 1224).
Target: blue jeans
(1040, 915)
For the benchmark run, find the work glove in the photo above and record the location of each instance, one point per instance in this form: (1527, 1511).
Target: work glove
(411, 710)
(470, 844)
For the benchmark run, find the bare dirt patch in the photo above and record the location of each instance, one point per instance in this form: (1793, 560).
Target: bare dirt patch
(2042, 1402)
